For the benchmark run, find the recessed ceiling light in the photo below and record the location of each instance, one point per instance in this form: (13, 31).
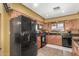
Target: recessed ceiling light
(47, 15)
(63, 11)
(35, 4)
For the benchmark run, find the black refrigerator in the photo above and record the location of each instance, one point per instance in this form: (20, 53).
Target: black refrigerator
(22, 37)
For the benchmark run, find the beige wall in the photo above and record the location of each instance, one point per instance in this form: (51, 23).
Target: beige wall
(0, 30)
(0, 23)
(4, 31)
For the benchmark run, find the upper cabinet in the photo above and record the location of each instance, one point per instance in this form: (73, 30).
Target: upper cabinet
(72, 24)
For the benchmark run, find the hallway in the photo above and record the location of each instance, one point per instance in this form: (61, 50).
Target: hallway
(53, 50)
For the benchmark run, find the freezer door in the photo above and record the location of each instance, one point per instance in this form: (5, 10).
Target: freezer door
(15, 28)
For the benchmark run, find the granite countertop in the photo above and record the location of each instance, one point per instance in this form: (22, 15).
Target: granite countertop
(59, 33)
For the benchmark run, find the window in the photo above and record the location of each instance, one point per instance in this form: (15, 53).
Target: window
(57, 26)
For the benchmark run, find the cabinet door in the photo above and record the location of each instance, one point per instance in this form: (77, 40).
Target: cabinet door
(38, 42)
(54, 39)
(59, 40)
(51, 39)
(15, 28)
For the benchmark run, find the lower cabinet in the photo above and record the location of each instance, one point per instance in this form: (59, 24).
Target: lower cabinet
(39, 42)
(75, 48)
(54, 39)
(50, 39)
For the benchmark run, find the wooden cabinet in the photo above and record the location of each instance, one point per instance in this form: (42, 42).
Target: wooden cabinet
(54, 39)
(72, 24)
(50, 39)
(38, 41)
(59, 40)
(75, 48)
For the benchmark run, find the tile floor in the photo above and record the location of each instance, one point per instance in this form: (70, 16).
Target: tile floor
(54, 50)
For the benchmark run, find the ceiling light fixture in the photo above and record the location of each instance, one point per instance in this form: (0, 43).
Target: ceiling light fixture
(47, 15)
(63, 11)
(35, 4)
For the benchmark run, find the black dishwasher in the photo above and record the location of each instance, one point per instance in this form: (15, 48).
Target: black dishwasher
(66, 40)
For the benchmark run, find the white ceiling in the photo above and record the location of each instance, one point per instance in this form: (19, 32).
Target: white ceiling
(46, 9)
